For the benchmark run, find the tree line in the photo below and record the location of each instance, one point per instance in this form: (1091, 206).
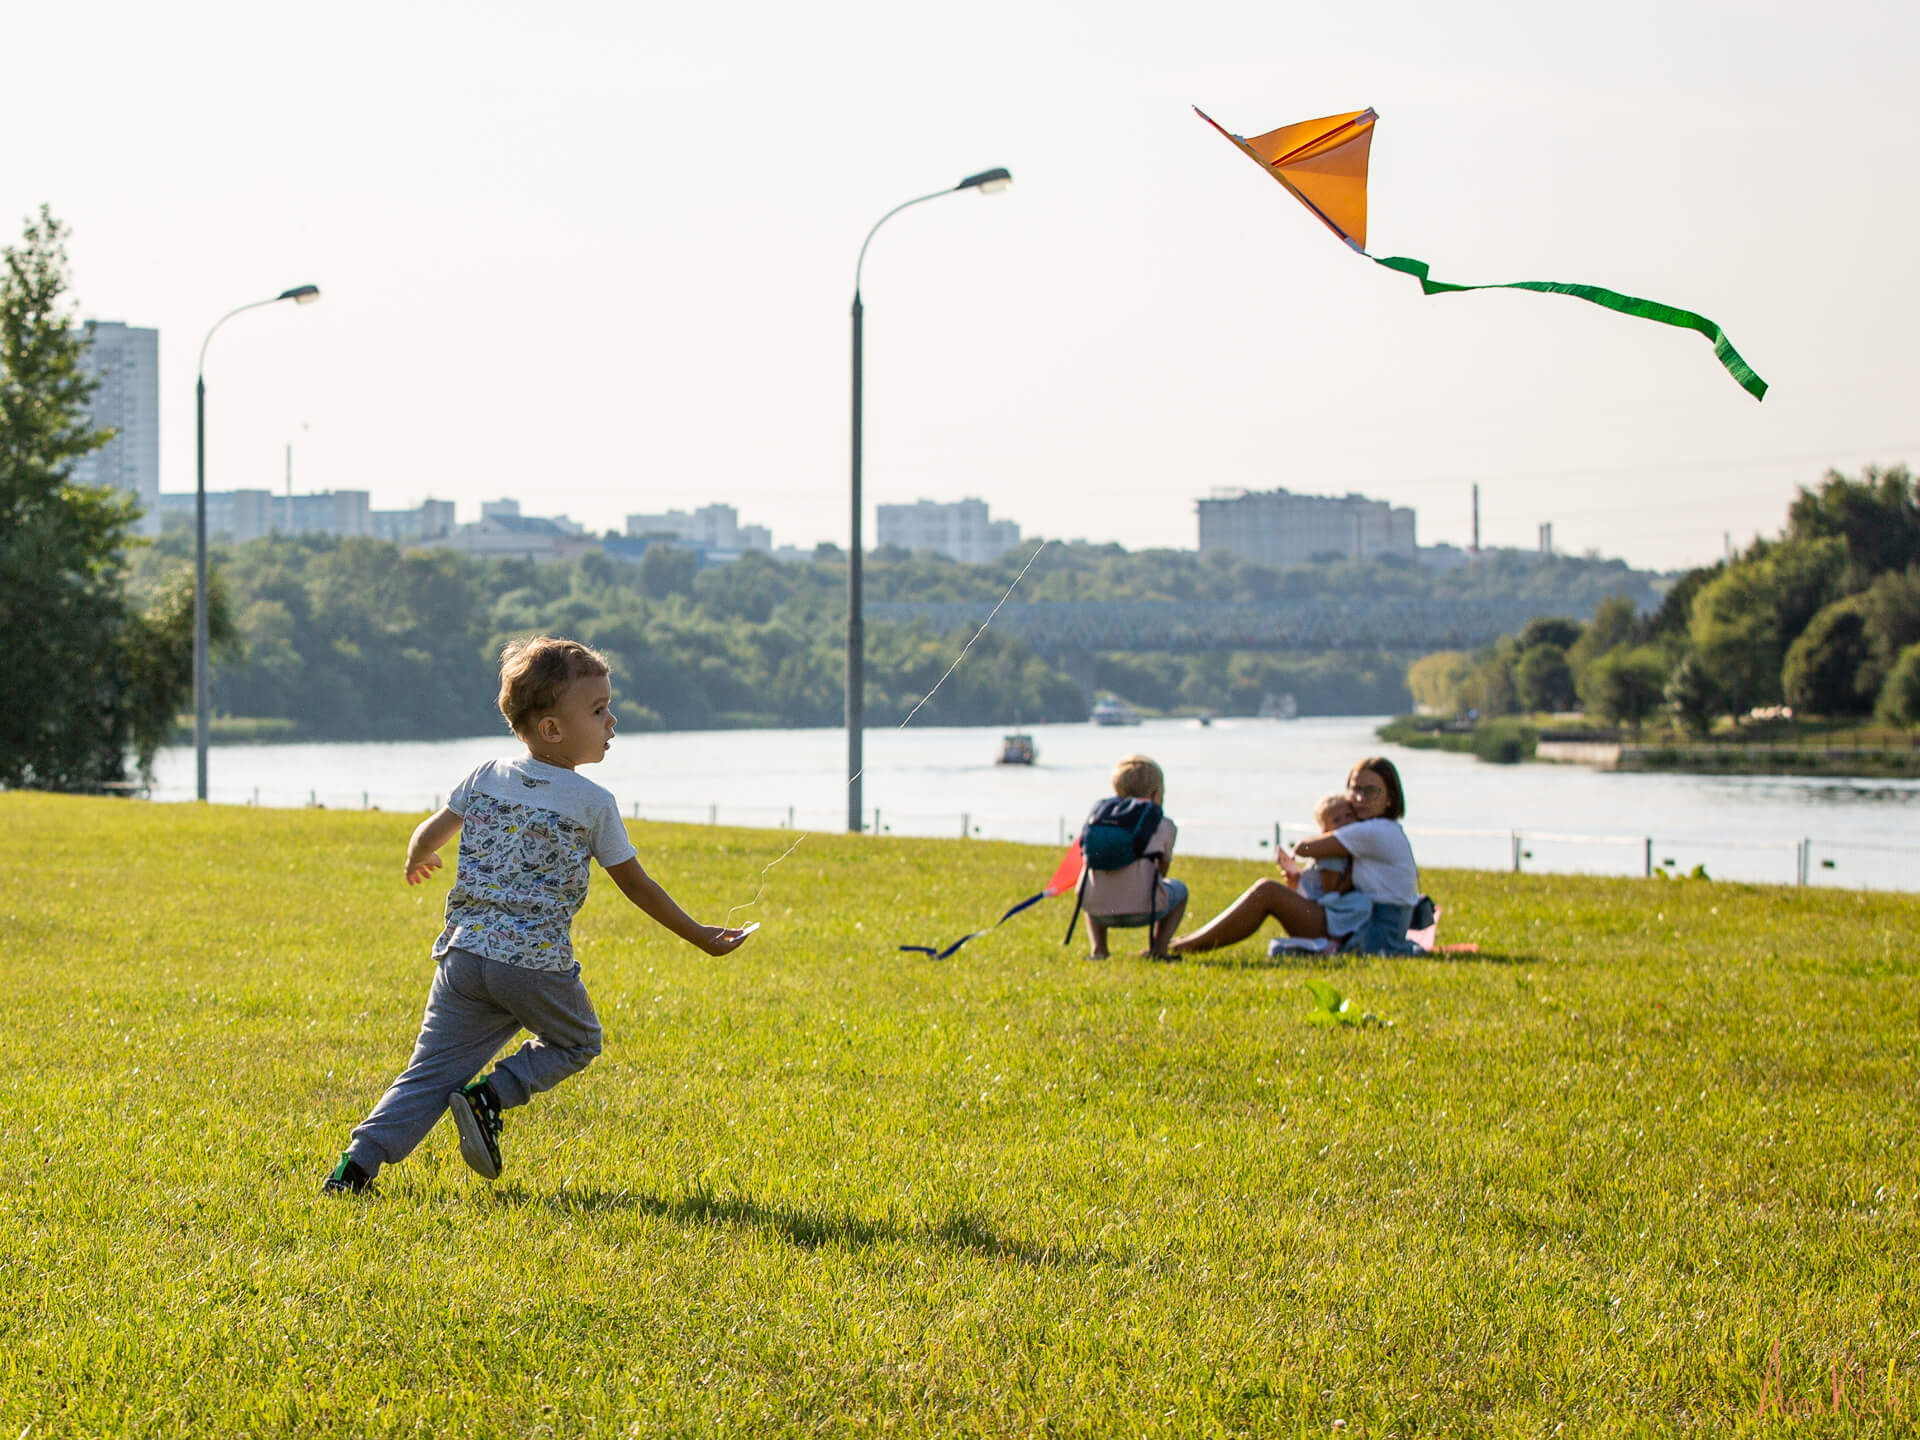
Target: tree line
(361, 639)
(1823, 619)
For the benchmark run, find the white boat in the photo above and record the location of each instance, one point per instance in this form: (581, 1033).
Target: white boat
(1278, 707)
(1110, 710)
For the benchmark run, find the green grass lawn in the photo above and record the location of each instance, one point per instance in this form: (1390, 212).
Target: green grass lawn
(1589, 1179)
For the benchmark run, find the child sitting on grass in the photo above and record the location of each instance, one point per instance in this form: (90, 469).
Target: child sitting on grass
(529, 827)
(1329, 881)
(1136, 892)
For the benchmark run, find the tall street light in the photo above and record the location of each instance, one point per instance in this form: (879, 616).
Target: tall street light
(202, 677)
(987, 182)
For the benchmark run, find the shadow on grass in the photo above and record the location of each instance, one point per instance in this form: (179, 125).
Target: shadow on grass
(1234, 958)
(810, 1228)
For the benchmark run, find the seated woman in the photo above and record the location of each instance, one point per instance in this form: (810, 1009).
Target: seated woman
(1382, 869)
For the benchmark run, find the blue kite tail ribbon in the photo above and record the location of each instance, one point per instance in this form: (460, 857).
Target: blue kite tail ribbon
(935, 954)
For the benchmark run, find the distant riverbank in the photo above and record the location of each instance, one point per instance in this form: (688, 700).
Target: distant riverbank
(1231, 784)
(1837, 754)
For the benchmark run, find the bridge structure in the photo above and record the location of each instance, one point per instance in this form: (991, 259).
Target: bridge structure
(1320, 623)
(1070, 634)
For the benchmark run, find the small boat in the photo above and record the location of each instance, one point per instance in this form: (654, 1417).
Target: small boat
(1111, 710)
(1017, 749)
(1278, 707)
(1206, 720)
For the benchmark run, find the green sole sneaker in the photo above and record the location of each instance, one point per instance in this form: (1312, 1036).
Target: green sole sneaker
(477, 1145)
(347, 1178)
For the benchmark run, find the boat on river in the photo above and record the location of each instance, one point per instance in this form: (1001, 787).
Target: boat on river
(1017, 749)
(1111, 710)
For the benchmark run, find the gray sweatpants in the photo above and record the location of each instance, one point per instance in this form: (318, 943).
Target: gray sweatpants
(476, 1006)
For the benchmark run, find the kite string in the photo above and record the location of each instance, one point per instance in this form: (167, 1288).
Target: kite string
(976, 635)
(761, 889)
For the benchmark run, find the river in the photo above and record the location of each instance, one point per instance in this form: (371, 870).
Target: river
(1228, 785)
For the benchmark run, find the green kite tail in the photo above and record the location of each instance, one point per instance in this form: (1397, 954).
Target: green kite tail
(1613, 300)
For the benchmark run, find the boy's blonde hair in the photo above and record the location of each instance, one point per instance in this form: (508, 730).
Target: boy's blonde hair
(535, 673)
(1137, 777)
(1326, 805)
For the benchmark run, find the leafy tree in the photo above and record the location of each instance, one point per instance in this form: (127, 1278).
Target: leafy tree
(1625, 685)
(1822, 670)
(1550, 630)
(88, 677)
(1692, 695)
(1746, 617)
(1672, 623)
(1876, 517)
(1615, 622)
(1900, 696)
(1435, 680)
(1491, 689)
(1544, 678)
(1892, 610)
(668, 570)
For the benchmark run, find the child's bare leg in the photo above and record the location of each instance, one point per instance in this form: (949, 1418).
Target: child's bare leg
(1163, 931)
(1096, 939)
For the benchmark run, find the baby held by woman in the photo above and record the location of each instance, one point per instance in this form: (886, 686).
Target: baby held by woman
(1329, 881)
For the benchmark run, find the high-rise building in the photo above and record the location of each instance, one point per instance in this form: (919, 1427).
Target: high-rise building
(430, 520)
(243, 515)
(963, 530)
(124, 360)
(1277, 527)
(712, 529)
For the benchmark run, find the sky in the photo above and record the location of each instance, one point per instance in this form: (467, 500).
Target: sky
(600, 258)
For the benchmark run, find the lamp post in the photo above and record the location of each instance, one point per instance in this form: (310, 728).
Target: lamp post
(987, 182)
(202, 675)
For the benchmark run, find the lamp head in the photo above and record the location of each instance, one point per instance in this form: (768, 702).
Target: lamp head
(300, 294)
(988, 182)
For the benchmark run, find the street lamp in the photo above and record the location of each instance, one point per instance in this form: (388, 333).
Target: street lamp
(987, 182)
(202, 676)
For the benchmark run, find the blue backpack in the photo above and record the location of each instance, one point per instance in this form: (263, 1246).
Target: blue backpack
(1117, 833)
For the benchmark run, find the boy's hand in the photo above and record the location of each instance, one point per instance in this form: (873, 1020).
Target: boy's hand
(717, 941)
(419, 867)
(1288, 866)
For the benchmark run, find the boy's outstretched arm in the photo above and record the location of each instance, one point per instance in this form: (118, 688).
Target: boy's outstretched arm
(423, 851)
(644, 891)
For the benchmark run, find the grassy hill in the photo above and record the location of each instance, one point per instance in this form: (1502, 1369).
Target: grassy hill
(1589, 1178)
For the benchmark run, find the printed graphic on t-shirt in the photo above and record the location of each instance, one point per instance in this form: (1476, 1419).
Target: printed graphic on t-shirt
(523, 873)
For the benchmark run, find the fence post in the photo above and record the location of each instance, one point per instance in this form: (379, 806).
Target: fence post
(789, 817)
(1063, 830)
(713, 814)
(1276, 837)
(363, 800)
(876, 819)
(1649, 857)
(313, 799)
(966, 825)
(1516, 852)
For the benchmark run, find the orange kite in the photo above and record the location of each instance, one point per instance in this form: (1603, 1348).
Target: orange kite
(1323, 164)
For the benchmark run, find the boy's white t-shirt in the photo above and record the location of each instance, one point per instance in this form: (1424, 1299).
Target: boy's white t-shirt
(1383, 865)
(528, 831)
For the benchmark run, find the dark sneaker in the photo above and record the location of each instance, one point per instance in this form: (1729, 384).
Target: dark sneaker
(476, 1113)
(347, 1178)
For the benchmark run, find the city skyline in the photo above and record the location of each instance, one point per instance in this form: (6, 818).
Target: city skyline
(588, 291)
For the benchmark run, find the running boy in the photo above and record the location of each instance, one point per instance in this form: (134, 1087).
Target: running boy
(529, 825)
(1137, 892)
